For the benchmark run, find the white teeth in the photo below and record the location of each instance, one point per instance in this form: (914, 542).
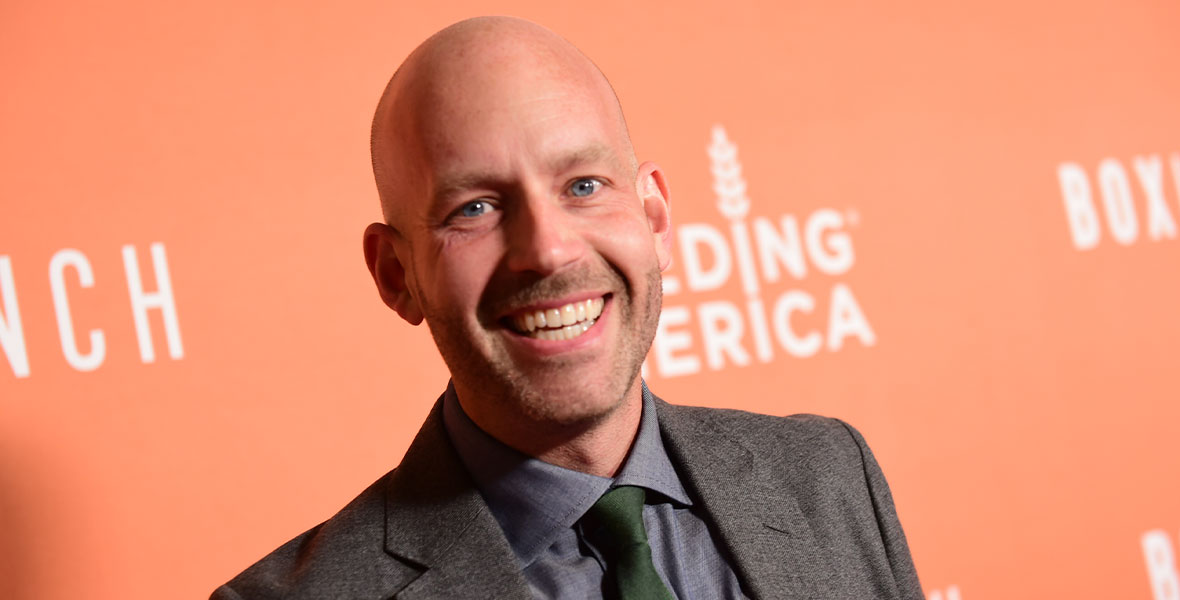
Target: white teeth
(568, 332)
(562, 323)
(594, 308)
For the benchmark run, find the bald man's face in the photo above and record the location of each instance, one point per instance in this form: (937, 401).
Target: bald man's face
(529, 241)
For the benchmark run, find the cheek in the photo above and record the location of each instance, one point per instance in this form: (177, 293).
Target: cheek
(627, 243)
(451, 282)
(459, 273)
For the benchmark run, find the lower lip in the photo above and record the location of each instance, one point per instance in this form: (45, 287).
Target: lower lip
(548, 347)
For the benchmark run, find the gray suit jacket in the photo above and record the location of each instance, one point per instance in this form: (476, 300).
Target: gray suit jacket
(800, 503)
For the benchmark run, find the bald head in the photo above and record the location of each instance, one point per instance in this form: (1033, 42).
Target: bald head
(452, 85)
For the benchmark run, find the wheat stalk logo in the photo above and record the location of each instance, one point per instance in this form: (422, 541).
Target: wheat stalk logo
(728, 182)
(733, 203)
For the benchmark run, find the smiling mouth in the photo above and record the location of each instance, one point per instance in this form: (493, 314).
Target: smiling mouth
(562, 323)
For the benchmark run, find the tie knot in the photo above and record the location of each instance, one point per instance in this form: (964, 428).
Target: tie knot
(618, 515)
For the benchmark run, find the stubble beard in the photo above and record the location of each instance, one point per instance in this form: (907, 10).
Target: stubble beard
(547, 397)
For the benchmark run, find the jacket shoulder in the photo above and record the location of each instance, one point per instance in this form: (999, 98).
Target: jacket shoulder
(333, 559)
(797, 436)
(822, 470)
(819, 459)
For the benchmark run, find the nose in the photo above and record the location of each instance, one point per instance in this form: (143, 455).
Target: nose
(543, 236)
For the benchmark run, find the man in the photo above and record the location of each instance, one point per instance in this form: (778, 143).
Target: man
(520, 227)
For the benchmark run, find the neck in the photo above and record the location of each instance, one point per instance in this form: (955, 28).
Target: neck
(596, 444)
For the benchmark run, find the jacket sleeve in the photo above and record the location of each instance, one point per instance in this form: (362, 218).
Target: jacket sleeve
(896, 549)
(225, 593)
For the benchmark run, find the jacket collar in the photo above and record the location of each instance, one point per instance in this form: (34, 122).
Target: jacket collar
(536, 502)
(437, 520)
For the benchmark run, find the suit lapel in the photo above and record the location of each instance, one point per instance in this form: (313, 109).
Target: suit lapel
(760, 525)
(436, 519)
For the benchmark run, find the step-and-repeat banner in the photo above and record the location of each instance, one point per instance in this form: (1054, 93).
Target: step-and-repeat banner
(953, 225)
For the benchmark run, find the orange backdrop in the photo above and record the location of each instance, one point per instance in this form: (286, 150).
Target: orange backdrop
(952, 224)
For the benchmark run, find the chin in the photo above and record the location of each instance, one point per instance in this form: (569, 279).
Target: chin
(568, 406)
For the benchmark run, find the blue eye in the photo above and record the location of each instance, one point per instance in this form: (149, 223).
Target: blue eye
(475, 208)
(584, 187)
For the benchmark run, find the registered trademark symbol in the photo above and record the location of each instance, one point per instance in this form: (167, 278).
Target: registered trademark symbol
(852, 216)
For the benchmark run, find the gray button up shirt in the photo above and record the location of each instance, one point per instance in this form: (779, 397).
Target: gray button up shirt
(538, 506)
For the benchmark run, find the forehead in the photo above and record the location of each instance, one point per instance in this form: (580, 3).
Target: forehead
(529, 110)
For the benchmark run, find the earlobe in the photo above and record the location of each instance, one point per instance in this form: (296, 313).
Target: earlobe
(389, 273)
(652, 189)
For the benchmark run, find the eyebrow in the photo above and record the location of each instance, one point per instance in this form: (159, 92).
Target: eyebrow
(452, 184)
(587, 154)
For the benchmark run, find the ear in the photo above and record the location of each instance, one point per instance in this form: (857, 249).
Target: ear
(652, 189)
(388, 271)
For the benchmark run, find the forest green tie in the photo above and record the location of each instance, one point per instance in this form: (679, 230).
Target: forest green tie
(615, 525)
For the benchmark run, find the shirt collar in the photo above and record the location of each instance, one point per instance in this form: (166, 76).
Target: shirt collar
(535, 501)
